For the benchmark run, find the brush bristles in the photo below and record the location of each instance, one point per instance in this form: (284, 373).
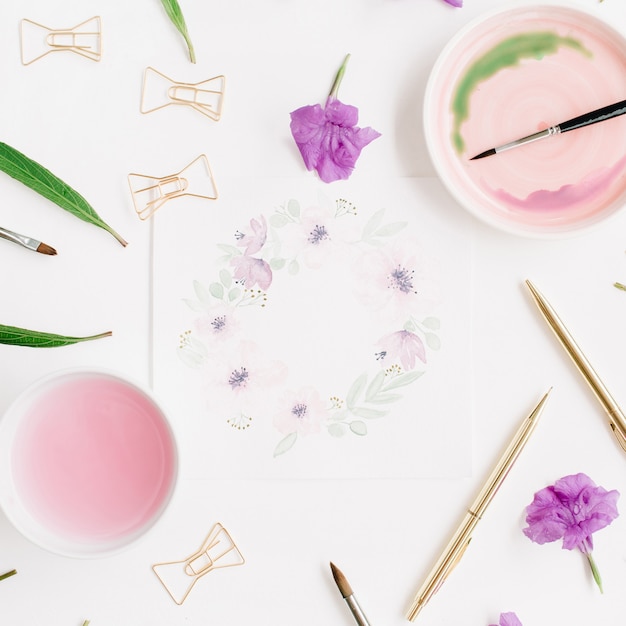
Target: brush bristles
(340, 580)
(44, 248)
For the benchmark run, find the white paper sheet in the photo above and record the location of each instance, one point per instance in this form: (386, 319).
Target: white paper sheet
(314, 331)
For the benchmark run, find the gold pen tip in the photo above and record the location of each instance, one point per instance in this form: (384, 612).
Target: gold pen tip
(341, 581)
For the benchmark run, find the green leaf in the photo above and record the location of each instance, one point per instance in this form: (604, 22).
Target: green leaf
(432, 323)
(194, 305)
(172, 8)
(278, 221)
(293, 208)
(375, 386)
(45, 183)
(202, 292)
(230, 250)
(225, 278)
(234, 293)
(355, 391)
(216, 290)
(294, 267)
(337, 430)
(368, 414)
(390, 229)
(14, 336)
(277, 263)
(285, 444)
(374, 222)
(358, 428)
(433, 341)
(403, 380)
(385, 398)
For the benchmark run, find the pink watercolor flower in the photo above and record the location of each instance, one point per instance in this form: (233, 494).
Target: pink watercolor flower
(508, 619)
(399, 280)
(255, 240)
(301, 412)
(572, 510)
(252, 271)
(328, 138)
(401, 346)
(219, 323)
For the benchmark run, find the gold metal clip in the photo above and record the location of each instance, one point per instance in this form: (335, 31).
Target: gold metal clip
(217, 551)
(159, 91)
(151, 193)
(37, 40)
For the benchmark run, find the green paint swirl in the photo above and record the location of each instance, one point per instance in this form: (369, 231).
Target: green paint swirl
(507, 53)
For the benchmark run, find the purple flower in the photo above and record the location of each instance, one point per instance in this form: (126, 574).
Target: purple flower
(256, 240)
(251, 271)
(572, 509)
(328, 138)
(508, 619)
(402, 346)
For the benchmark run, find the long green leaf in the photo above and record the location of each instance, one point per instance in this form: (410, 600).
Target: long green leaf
(8, 574)
(14, 336)
(44, 182)
(173, 10)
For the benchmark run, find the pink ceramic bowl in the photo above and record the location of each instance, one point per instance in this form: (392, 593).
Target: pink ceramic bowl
(511, 73)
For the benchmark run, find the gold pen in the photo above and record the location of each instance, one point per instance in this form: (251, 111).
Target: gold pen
(462, 537)
(617, 420)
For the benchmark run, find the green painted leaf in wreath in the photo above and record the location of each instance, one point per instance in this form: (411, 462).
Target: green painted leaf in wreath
(358, 428)
(225, 278)
(336, 429)
(368, 414)
(355, 391)
(389, 230)
(278, 221)
(231, 251)
(402, 380)
(194, 305)
(294, 267)
(201, 292)
(433, 341)
(285, 444)
(277, 263)
(293, 208)
(216, 290)
(373, 224)
(385, 398)
(234, 293)
(375, 386)
(432, 323)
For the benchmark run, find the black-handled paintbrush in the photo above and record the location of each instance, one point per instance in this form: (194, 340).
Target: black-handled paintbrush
(593, 117)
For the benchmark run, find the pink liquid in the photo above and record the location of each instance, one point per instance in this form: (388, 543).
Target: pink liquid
(93, 460)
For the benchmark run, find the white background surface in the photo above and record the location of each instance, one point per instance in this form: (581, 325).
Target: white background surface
(82, 120)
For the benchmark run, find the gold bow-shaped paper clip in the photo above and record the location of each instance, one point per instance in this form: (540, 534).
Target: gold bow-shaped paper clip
(38, 40)
(217, 551)
(150, 193)
(159, 91)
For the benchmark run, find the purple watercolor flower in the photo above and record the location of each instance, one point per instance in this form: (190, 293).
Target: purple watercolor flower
(254, 241)
(403, 346)
(251, 271)
(328, 137)
(508, 619)
(572, 510)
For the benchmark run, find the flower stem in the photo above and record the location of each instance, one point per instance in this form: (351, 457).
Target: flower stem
(7, 574)
(594, 571)
(620, 286)
(338, 78)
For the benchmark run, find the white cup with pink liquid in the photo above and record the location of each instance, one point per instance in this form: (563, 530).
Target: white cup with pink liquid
(88, 462)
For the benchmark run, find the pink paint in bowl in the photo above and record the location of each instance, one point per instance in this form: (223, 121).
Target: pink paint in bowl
(88, 463)
(514, 72)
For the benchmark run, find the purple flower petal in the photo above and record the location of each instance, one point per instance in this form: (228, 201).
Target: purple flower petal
(251, 271)
(328, 138)
(572, 509)
(455, 3)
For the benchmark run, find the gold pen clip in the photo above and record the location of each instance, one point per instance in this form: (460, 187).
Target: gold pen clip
(37, 40)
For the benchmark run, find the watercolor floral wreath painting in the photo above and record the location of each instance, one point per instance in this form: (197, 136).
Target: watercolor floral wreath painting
(392, 279)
